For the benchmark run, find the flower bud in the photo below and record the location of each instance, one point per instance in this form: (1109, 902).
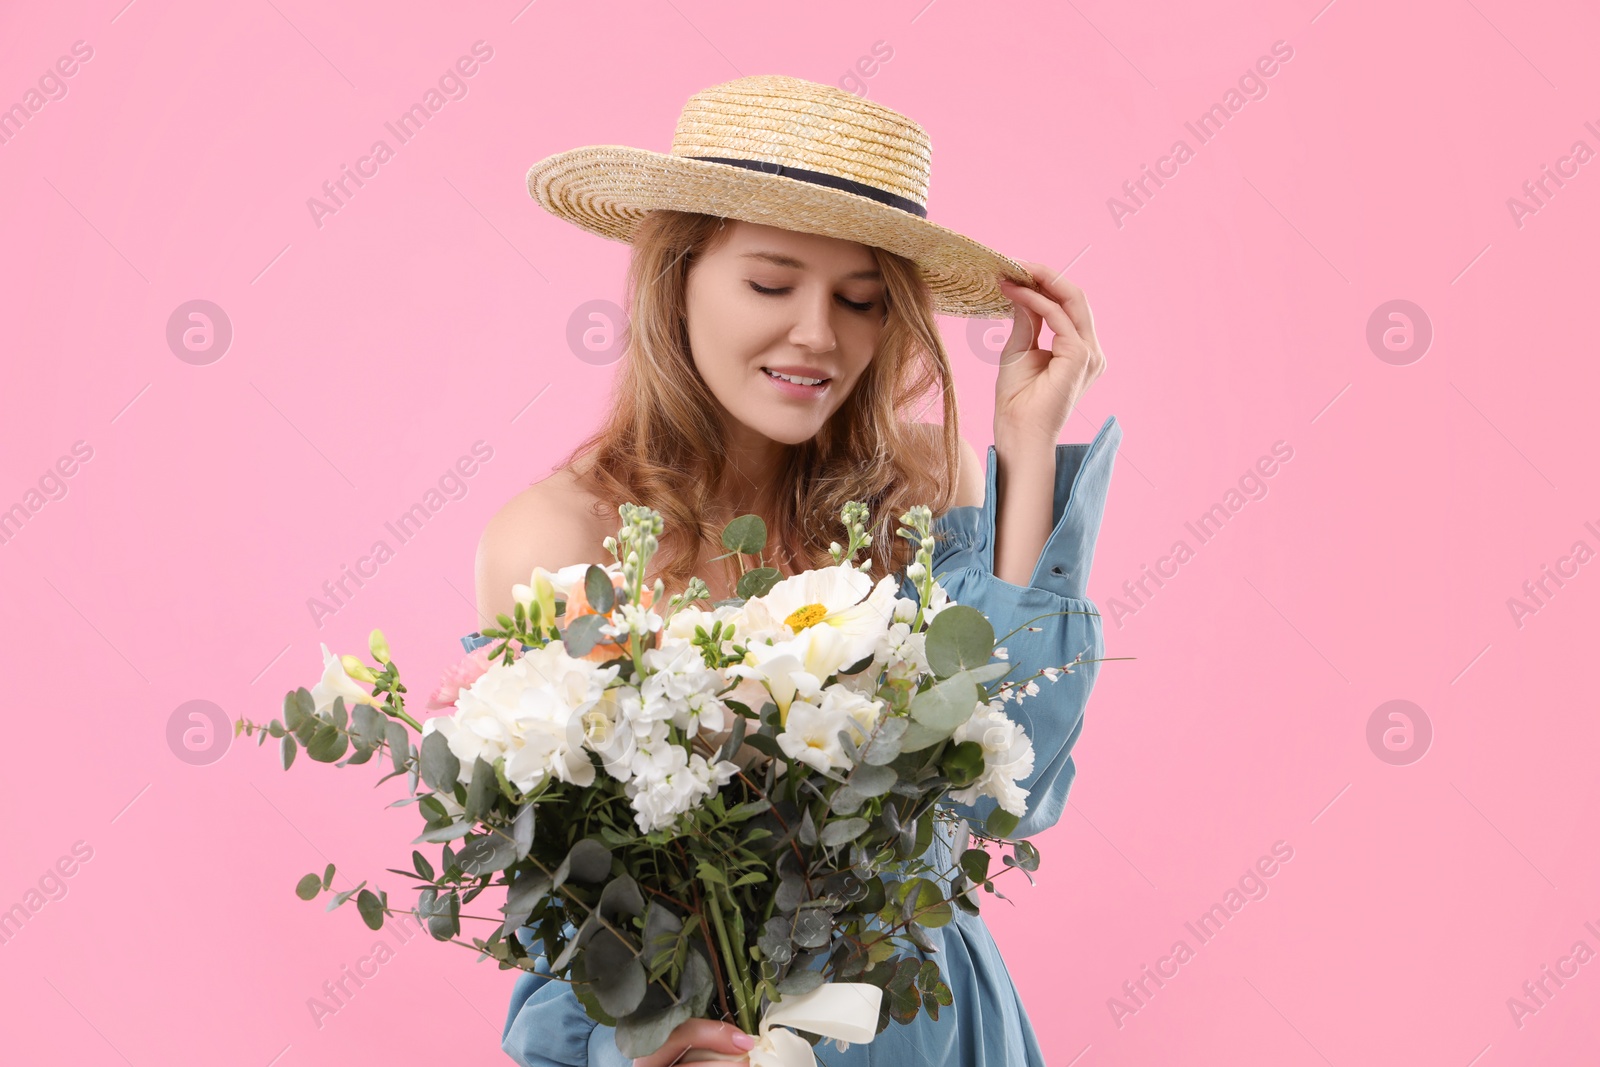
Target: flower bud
(357, 670)
(379, 645)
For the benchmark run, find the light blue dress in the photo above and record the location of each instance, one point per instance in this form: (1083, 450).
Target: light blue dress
(986, 1026)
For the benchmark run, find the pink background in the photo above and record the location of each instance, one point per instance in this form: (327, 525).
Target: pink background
(432, 311)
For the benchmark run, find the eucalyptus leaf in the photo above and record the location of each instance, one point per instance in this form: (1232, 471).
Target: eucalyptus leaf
(524, 893)
(1000, 823)
(371, 908)
(757, 581)
(583, 633)
(366, 726)
(746, 534)
(440, 767)
(884, 745)
(399, 741)
(975, 864)
(695, 984)
(599, 590)
(308, 887)
(486, 853)
(775, 941)
(588, 862)
(838, 832)
(872, 780)
(791, 892)
(327, 744)
(799, 983)
(735, 739)
(620, 897)
(947, 704)
(287, 748)
(647, 1029)
(446, 832)
(813, 928)
(522, 831)
(613, 973)
(959, 638)
(483, 788)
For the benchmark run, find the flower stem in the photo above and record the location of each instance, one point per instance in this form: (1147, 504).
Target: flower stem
(736, 976)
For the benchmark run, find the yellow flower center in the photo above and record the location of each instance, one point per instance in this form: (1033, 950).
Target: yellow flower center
(809, 615)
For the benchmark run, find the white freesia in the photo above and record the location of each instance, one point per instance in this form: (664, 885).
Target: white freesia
(797, 666)
(811, 734)
(336, 682)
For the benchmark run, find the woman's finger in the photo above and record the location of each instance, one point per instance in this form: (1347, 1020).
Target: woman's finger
(1052, 312)
(1025, 327)
(1072, 298)
(699, 1033)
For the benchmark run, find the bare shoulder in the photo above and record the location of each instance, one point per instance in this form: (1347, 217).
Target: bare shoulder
(970, 479)
(549, 524)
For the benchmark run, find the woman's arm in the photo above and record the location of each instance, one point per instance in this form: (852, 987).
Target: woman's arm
(1024, 484)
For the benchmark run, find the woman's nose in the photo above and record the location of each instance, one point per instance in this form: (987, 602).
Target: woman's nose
(814, 330)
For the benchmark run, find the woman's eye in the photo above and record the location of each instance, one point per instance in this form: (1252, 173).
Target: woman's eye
(852, 304)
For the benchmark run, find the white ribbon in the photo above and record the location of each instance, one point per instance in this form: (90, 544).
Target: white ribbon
(845, 1011)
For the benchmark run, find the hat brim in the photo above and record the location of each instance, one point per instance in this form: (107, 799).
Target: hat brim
(608, 190)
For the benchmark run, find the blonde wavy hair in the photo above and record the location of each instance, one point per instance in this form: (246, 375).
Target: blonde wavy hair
(662, 444)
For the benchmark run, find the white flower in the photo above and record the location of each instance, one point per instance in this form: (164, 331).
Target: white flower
(938, 600)
(842, 598)
(336, 682)
(811, 733)
(531, 713)
(680, 688)
(1007, 758)
(681, 626)
(796, 667)
(674, 782)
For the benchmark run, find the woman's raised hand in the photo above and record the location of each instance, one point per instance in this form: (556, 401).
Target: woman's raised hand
(1037, 388)
(702, 1034)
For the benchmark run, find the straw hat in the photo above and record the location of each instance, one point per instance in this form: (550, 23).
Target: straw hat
(794, 154)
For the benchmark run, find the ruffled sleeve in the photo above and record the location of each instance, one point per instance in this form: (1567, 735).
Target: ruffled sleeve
(964, 564)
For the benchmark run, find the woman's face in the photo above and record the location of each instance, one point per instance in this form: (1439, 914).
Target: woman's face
(768, 299)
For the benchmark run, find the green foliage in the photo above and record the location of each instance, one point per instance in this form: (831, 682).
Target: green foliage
(784, 879)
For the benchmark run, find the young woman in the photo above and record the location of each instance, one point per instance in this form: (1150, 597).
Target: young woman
(782, 339)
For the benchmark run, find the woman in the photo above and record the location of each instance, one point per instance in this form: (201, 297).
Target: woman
(782, 292)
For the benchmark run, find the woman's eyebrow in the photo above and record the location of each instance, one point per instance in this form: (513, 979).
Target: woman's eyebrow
(781, 260)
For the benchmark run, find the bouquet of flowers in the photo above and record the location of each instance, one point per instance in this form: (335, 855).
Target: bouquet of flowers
(721, 811)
